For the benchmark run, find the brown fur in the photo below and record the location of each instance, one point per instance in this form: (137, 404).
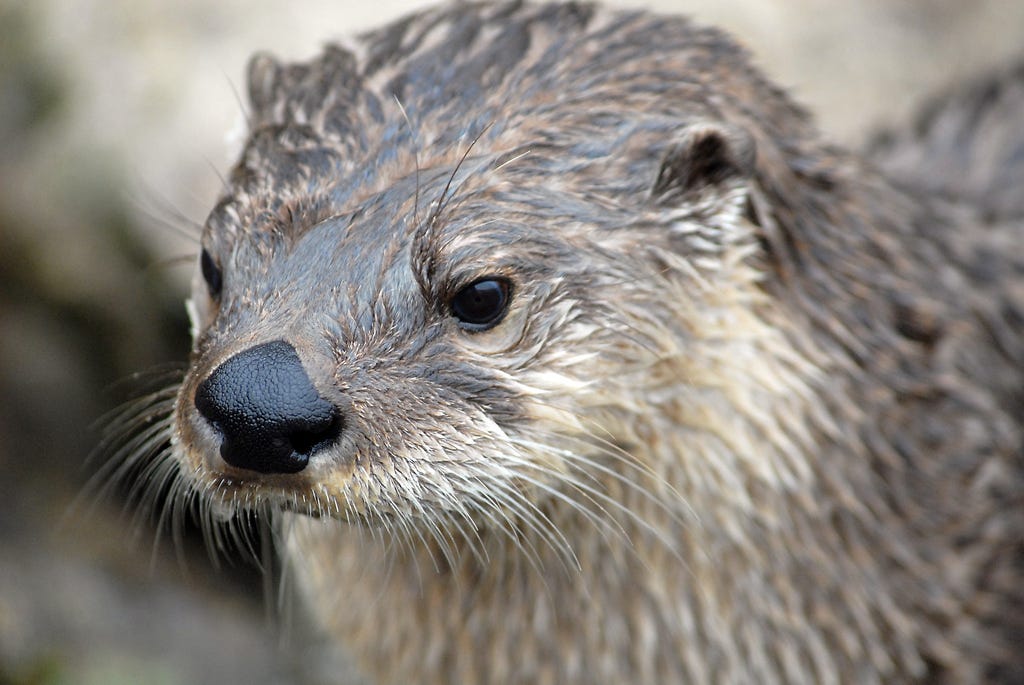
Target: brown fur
(753, 414)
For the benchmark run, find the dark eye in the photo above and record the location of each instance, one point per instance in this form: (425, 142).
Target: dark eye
(211, 274)
(481, 304)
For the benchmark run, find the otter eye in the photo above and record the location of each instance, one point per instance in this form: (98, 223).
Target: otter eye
(211, 273)
(481, 304)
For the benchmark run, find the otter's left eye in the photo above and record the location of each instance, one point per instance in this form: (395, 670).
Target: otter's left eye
(481, 304)
(212, 274)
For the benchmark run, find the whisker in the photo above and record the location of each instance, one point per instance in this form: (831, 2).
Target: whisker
(442, 201)
(605, 503)
(615, 452)
(162, 213)
(513, 160)
(415, 159)
(541, 526)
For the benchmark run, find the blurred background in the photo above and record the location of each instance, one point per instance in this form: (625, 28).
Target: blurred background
(115, 121)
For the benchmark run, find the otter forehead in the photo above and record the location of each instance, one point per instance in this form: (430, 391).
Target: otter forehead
(568, 93)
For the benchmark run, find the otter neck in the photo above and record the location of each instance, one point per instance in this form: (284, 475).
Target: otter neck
(503, 610)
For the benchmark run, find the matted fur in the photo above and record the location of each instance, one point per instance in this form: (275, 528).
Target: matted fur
(752, 414)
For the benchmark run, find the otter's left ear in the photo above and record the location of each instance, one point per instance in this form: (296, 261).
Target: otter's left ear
(705, 165)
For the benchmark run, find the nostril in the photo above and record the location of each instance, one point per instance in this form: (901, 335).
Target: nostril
(268, 413)
(312, 440)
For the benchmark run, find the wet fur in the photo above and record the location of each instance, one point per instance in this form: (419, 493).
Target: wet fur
(753, 415)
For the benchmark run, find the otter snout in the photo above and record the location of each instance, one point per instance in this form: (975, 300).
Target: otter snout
(269, 416)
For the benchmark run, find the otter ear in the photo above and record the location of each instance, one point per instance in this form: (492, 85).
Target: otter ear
(707, 161)
(264, 80)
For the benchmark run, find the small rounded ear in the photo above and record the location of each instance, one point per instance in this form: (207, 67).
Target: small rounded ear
(705, 158)
(264, 81)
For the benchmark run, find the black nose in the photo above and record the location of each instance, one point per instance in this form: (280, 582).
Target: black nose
(270, 417)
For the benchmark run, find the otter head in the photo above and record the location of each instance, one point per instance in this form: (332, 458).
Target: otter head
(414, 316)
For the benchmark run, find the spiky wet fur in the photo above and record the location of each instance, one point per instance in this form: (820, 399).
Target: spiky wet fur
(757, 427)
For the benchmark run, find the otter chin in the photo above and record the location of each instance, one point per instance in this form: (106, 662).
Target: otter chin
(560, 348)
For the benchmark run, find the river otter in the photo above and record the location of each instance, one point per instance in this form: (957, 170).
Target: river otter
(566, 351)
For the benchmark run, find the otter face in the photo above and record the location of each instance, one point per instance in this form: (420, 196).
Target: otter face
(371, 366)
(443, 312)
(455, 361)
